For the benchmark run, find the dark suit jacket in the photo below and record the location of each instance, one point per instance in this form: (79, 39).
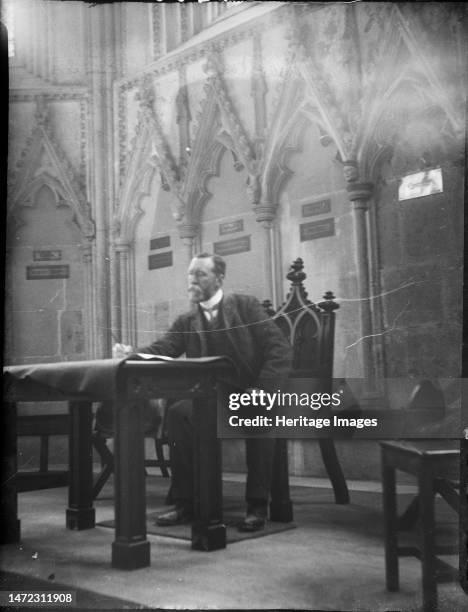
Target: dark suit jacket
(256, 345)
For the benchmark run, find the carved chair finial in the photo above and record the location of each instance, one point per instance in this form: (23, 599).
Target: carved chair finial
(296, 274)
(328, 305)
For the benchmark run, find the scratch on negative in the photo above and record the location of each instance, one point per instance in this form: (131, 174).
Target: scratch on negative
(386, 331)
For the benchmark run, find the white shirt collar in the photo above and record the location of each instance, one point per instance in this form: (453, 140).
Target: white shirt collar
(214, 300)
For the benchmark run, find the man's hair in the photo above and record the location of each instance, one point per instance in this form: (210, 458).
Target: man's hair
(219, 265)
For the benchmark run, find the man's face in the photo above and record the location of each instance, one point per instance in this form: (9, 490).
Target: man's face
(203, 283)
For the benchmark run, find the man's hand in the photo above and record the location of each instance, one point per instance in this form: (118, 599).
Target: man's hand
(120, 351)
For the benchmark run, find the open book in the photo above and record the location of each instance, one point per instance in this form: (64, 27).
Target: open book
(151, 357)
(148, 356)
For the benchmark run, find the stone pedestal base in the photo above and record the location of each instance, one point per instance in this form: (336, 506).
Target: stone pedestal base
(130, 555)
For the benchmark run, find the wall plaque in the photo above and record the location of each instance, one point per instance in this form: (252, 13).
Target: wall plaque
(231, 226)
(235, 245)
(160, 243)
(47, 272)
(317, 229)
(46, 255)
(420, 184)
(316, 208)
(160, 260)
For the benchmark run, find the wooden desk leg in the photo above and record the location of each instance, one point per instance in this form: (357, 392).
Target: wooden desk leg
(131, 549)
(427, 534)
(80, 512)
(208, 530)
(390, 525)
(9, 495)
(281, 508)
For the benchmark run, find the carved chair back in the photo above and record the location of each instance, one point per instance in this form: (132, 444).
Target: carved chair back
(309, 327)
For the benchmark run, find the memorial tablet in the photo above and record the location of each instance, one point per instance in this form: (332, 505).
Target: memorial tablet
(235, 245)
(317, 229)
(160, 260)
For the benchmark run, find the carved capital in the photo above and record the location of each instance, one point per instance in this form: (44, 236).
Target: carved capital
(350, 170)
(188, 231)
(359, 193)
(265, 212)
(254, 189)
(87, 252)
(122, 245)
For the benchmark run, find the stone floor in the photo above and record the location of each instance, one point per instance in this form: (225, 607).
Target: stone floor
(332, 560)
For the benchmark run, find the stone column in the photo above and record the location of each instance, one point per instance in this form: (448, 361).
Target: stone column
(43, 49)
(359, 194)
(188, 233)
(36, 38)
(265, 215)
(87, 253)
(29, 38)
(123, 250)
(116, 322)
(51, 71)
(100, 28)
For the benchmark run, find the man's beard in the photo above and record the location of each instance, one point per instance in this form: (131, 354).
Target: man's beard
(196, 295)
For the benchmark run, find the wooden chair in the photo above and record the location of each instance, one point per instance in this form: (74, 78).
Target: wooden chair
(42, 426)
(103, 432)
(310, 329)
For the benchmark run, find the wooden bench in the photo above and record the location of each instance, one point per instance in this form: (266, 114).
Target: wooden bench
(43, 426)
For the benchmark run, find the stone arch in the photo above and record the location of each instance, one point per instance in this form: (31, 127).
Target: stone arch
(387, 119)
(130, 212)
(43, 162)
(200, 194)
(28, 200)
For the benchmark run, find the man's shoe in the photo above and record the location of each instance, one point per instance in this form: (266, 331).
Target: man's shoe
(180, 515)
(252, 523)
(255, 518)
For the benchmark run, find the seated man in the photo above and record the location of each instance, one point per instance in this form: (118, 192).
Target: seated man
(236, 326)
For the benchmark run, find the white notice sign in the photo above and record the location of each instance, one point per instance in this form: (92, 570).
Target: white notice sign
(420, 184)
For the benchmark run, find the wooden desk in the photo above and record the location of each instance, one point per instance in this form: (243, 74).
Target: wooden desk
(126, 383)
(435, 467)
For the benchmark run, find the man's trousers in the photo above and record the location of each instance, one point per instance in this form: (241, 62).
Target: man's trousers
(259, 457)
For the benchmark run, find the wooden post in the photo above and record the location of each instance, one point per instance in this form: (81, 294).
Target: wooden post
(390, 523)
(80, 512)
(208, 530)
(131, 549)
(9, 495)
(426, 534)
